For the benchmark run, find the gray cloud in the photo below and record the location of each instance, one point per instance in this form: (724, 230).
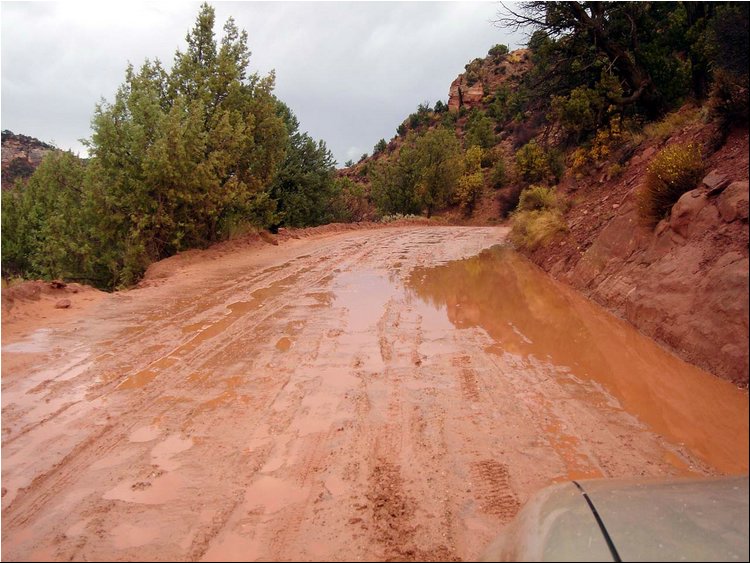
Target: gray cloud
(351, 71)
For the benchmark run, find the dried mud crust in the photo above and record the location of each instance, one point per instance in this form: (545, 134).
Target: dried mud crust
(168, 424)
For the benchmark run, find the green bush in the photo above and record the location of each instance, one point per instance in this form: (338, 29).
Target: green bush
(472, 72)
(469, 189)
(533, 162)
(537, 198)
(674, 171)
(497, 177)
(498, 50)
(480, 130)
(380, 146)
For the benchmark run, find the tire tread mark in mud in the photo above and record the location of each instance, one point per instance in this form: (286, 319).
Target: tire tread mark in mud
(205, 535)
(495, 494)
(52, 480)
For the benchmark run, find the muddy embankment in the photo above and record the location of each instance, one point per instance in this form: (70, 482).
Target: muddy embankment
(684, 283)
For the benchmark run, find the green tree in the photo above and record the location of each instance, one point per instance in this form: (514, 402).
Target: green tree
(471, 183)
(480, 130)
(304, 187)
(43, 232)
(175, 158)
(439, 166)
(423, 177)
(380, 146)
(498, 51)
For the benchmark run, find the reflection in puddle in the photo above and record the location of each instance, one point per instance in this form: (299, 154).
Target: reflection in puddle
(364, 293)
(530, 315)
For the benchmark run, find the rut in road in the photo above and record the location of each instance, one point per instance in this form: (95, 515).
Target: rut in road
(299, 402)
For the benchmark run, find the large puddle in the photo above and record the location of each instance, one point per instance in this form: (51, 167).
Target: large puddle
(532, 316)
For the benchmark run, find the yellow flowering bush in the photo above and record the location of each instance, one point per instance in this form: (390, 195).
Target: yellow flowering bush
(675, 170)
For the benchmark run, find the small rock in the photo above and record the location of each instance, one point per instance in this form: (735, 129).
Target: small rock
(62, 304)
(57, 284)
(715, 182)
(615, 206)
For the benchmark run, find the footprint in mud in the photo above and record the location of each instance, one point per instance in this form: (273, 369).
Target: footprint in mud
(284, 344)
(140, 485)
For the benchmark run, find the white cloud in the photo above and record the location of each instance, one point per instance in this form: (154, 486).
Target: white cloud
(351, 71)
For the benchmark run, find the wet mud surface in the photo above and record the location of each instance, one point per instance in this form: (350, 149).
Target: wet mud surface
(387, 394)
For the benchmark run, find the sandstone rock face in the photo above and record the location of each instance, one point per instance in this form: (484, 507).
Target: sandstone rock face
(463, 95)
(488, 75)
(20, 156)
(686, 282)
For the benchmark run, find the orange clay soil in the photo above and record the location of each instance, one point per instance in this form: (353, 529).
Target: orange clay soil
(393, 393)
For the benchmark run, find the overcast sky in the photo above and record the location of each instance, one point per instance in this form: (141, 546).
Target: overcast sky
(351, 71)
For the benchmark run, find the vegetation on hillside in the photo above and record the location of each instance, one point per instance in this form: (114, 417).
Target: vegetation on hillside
(603, 77)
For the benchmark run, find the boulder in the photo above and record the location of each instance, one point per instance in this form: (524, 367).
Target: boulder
(685, 210)
(733, 202)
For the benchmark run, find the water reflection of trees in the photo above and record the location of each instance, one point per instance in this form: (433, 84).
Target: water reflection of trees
(499, 290)
(522, 309)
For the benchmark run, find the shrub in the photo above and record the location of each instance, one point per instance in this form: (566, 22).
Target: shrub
(674, 171)
(468, 191)
(727, 49)
(670, 124)
(473, 159)
(440, 107)
(537, 198)
(480, 130)
(401, 130)
(497, 177)
(380, 146)
(351, 202)
(489, 158)
(532, 229)
(472, 71)
(498, 51)
(532, 162)
(448, 119)
(729, 98)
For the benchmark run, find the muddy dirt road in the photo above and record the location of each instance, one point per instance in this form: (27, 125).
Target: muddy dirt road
(391, 393)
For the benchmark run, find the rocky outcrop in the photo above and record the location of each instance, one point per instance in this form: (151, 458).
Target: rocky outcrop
(684, 283)
(463, 95)
(20, 156)
(486, 76)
